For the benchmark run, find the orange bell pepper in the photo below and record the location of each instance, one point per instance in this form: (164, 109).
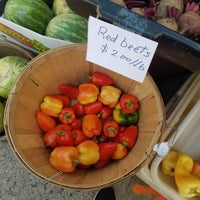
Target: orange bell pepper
(51, 106)
(120, 152)
(89, 152)
(91, 125)
(88, 93)
(196, 169)
(64, 158)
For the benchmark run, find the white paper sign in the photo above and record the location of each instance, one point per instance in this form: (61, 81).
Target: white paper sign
(119, 50)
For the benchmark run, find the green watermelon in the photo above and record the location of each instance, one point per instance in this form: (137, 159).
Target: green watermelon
(60, 7)
(31, 14)
(69, 27)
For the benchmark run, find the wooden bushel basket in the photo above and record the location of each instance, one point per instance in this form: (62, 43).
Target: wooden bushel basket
(68, 65)
(9, 49)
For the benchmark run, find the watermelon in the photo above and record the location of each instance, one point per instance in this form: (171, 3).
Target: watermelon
(69, 27)
(31, 14)
(60, 7)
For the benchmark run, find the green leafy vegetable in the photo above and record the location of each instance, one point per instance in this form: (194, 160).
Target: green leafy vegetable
(1, 117)
(10, 68)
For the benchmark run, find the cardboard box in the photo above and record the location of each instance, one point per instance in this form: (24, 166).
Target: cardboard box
(26, 38)
(172, 46)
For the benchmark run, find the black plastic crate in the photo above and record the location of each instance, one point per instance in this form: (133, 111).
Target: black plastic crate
(173, 46)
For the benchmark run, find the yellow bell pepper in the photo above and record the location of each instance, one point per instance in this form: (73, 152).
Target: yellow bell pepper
(89, 152)
(109, 95)
(188, 185)
(51, 106)
(168, 164)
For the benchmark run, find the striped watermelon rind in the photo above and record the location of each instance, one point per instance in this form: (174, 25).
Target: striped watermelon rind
(69, 27)
(31, 14)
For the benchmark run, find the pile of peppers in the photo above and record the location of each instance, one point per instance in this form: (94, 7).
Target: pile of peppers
(185, 171)
(88, 125)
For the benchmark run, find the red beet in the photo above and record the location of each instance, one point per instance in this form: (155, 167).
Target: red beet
(162, 12)
(189, 21)
(170, 21)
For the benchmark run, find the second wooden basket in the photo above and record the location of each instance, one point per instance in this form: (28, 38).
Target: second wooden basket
(9, 49)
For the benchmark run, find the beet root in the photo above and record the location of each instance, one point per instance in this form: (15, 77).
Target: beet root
(170, 23)
(161, 11)
(189, 24)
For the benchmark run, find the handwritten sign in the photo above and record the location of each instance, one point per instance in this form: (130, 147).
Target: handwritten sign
(119, 50)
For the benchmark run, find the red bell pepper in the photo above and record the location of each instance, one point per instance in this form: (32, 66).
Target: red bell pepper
(121, 130)
(110, 128)
(69, 90)
(65, 136)
(100, 79)
(78, 109)
(64, 158)
(102, 163)
(129, 137)
(67, 115)
(91, 125)
(76, 124)
(50, 137)
(105, 112)
(129, 103)
(93, 108)
(44, 121)
(63, 98)
(106, 150)
(78, 136)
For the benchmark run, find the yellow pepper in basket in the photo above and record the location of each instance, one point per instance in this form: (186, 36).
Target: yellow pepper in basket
(109, 95)
(89, 152)
(188, 185)
(51, 106)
